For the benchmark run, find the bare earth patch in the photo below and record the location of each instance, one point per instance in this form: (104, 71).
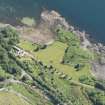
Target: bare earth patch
(36, 35)
(44, 31)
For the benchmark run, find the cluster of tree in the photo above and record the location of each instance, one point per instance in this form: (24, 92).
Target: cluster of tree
(39, 73)
(100, 84)
(40, 47)
(8, 38)
(87, 80)
(74, 54)
(46, 78)
(96, 96)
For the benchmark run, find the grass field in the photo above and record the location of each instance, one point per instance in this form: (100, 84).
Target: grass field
(28, 21)
(53, 55)
(8, 98)
(28, 46)
(34, 97)
(59, 85)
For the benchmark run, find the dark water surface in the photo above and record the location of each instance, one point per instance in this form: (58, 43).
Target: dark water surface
(88, 15)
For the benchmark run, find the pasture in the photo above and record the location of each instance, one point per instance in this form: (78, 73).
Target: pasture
(9, 98)
(53, 55)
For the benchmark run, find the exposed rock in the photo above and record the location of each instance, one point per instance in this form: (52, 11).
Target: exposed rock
(98, 68)
(99, 48)
(53, 19)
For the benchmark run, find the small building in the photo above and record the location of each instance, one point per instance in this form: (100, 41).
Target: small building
(19, 52)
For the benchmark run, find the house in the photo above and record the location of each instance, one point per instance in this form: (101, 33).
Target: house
(19, 52)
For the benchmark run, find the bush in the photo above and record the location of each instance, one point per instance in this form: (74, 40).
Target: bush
(74, 54)
(87, 80)
(97, 97)
(100, 85)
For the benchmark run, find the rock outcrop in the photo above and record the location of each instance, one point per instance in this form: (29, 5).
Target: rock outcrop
(52, 19)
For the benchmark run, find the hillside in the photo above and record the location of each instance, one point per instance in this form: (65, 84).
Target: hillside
(55, 70)
(7, 98)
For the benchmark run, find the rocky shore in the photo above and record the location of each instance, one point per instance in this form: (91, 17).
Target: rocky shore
(44, 33)
(54, 19)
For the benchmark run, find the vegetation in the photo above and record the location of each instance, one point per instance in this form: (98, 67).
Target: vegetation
(96, 96)
(87, 80)
(74, 54)
(48, 74)
(28, 46)
(10, 98)
(28, 21)
(49, 57)
(8, 39)
(34, 97)
(55, 84)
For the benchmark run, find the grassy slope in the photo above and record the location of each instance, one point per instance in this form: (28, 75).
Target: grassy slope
(70, 92)
(28, 46)
(34, 97)
(53, 54)
(7, 98)
(28, 21)
(62, 88)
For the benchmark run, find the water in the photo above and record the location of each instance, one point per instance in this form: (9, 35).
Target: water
(87, 15)
(12, 11)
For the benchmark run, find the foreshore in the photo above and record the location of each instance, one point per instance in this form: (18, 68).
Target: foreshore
(43, 33)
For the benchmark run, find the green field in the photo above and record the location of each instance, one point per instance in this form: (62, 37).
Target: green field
(54, 74)
(28, 21)
(28, 46)
(61, 87)
(33, 96)
(53, 55)
(8, 98)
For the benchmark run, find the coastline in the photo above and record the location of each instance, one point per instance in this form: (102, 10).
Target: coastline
(52, 19)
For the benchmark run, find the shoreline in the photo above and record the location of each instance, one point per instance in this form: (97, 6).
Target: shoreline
(49, 17)
(52, 19)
